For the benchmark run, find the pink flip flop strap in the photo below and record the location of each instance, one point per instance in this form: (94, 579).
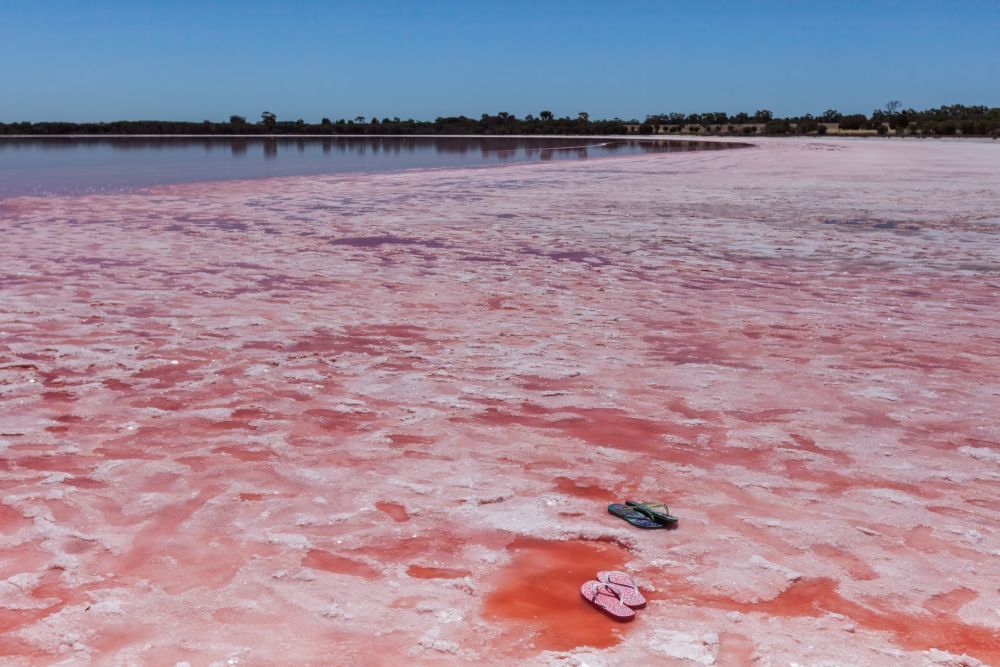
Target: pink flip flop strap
(616, 593)
(630, 582)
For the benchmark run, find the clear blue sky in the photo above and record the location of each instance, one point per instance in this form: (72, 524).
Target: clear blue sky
(186, 60)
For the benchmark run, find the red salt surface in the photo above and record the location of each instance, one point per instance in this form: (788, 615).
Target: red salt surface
(225, 435)
(812, 597)
(539, 591)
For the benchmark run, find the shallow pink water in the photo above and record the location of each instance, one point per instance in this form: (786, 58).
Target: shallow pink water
(348, 419)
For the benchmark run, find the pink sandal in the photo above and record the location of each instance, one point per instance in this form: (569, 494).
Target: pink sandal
(606, 598)
(625, 585)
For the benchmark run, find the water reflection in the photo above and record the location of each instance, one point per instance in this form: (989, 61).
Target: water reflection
(40, 165)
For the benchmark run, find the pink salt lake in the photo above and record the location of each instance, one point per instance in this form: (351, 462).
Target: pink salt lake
(376, 419)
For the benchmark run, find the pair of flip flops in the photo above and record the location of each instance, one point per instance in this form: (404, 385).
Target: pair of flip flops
(615, 593)
(644, 514)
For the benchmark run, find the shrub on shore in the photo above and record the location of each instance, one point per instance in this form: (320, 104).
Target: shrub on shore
(946, 128)
(777, 127)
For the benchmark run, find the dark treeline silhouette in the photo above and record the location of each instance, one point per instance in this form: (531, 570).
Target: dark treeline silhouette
(944, 120)
(956, 119)
(501, 123)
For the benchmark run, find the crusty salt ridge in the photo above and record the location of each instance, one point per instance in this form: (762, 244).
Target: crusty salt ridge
(376, 419)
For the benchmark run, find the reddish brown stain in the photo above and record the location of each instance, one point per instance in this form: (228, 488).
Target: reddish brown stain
(11, 519)
(949, 603)
(854, 566)
(581, 489)
(318, 559)
(421, 572)
(735, 650)
(395, 510)
(407, 439)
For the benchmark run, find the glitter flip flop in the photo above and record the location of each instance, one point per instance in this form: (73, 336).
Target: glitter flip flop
(625, 585)
(606, 598)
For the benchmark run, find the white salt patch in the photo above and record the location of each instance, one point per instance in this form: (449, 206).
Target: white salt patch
(945, 659)
(981, 453)
(700, 649)
(431, 640)
(295, 541)
(450, 616)
(789, 574)
(877, 393)
(579, 658)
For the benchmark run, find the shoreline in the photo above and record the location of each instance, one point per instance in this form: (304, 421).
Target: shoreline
(126, 189)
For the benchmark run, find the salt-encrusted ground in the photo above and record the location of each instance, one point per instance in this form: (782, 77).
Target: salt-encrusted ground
(377, 419)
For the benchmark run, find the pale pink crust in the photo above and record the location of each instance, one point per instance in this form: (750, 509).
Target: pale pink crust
(282, 420)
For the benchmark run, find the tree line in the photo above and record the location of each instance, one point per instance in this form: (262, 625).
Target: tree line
(502, 123)
(892, 118)
(944, 120)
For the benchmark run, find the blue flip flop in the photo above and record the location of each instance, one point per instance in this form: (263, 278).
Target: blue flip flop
(658, 512)
(634, 517)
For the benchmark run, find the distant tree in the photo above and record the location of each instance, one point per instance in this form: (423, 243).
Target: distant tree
(892, 106)
(777, 127)
(325, 121)
(545, 115)
(374, 121)
(830, 116)
(762, 116)
(742, 118)
(807, 125)
(237, 121)
(856, 121)
(359, 119)
(268, 120)
(584, 116)
(645, 128)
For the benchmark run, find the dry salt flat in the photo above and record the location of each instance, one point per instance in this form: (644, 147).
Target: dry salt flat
(349, 419)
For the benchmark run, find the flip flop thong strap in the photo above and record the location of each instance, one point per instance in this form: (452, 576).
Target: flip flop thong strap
(645, 511)
(631, 585)
(653, 510)
(610, 588)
